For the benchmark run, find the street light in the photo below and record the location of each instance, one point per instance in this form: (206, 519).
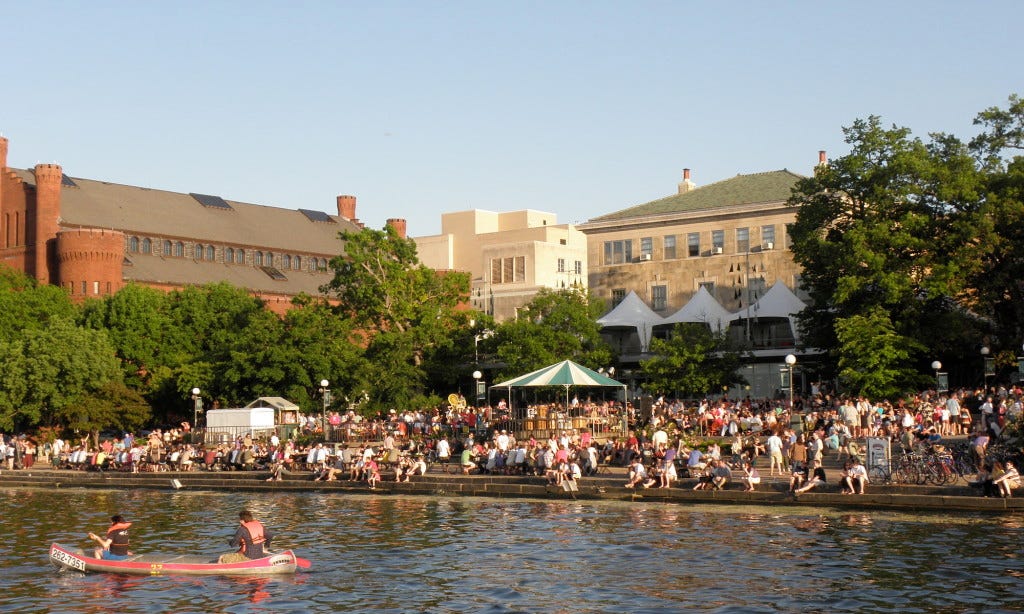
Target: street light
(790, 361)
(986, 361)
(325, 393)
(936, 365)
(197, 406)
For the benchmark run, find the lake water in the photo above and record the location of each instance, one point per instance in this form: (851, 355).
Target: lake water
(425, 554)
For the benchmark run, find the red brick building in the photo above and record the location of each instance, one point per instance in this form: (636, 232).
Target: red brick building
(92, 237)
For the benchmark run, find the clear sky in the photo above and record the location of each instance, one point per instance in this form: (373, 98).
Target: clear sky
(579, 108)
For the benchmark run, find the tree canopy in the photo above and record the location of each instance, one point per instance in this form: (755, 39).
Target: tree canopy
(692, 362)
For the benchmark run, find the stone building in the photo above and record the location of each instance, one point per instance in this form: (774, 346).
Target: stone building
(510, 256)
(92, 237)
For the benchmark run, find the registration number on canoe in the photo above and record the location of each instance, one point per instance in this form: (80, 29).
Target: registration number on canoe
(67, 560)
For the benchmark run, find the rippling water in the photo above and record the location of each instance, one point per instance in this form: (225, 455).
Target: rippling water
(407, 554)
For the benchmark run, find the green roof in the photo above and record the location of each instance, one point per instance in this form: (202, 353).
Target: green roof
(769, 187)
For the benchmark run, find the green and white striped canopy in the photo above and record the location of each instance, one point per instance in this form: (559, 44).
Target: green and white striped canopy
(565, 373)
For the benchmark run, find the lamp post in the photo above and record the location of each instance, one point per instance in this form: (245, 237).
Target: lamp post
(790, 362)
(197, 406)
(476, 388)
(325, 394)
(985, 362)
(936, 365)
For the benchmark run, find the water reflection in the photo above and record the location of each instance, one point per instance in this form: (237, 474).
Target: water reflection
(462, 554)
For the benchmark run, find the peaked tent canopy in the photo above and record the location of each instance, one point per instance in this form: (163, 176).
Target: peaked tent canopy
(778, 302)
(631, 316)
(702, 309)
(565, 373)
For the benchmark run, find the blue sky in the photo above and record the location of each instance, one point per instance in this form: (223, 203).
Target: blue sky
(417, 108)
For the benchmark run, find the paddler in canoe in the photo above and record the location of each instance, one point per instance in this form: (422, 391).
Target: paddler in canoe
(250, 538)
(114, 546)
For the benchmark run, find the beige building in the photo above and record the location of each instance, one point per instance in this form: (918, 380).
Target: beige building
(729, 237)
(510, 256)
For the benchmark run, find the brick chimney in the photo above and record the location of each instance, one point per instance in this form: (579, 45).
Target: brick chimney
(399, 225)
(47, 212)
(3, 152)
(347, 207)
(822, 158)
(686, 185)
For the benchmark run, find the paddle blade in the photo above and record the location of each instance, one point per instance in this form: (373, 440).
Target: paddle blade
(303, 563)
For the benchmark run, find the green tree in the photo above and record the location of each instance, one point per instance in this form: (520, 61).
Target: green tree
(556, 325)
(46, 375)
(692, 362)
(27, 305)
(894, 225)
(873, 357)
(407, 311)
(111, 406)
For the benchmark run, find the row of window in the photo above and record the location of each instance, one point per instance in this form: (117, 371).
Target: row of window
(231, 255)
(578, 266)
(85, 286)
(621, 251)
(508, 270)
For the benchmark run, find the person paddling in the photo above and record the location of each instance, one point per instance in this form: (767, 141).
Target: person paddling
(114, 546)
(250, 538)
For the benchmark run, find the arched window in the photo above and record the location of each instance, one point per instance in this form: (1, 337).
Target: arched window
(297, 263)
(229, 255)
(286, 262)
(179, 249)
(257, 258)
(240, 256)
(211, 252)
(199, 251)
(147, 246)
(133, 245)
(268, 258)
(168, 246)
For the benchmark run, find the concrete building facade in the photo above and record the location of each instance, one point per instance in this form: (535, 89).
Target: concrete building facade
(510, 256)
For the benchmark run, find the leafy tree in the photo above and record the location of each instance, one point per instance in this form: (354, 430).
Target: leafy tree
(27, 305)
(407, 311)
(895, 225)
(873, 357)
(45, 376)
(556, 325)
(692, 362)
(111, 406)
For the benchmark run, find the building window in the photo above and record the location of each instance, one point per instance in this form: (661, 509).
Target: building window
(257, 258)
(561, 265)
(168, 246)
(659, 297)
(742, 240)
(579, 267)
(179, 249)
(618, 295)
(84, 286)
(268, 259)
(240, 256)
(147, 246)
(768, 237)
(717, 241)
(211, 252)
(618, 252)
(508, 270)
(646, 248)
(709, 286)
(670, 247)
(229, 255)
(286, 261)
(95, 287)
(297, 263)
(199, 251)
(693, 244)
(133, 245)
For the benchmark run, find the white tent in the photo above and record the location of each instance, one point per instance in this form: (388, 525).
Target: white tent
(631, 316)
(778, 302)
(701, 309)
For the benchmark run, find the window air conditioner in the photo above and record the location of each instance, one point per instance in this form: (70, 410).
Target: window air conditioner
(717, 250)
(769, 245)
(645, 257)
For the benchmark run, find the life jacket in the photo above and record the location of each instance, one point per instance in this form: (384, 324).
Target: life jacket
(256, 536)
(118, 536)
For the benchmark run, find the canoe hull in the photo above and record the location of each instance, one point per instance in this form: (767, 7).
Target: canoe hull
(281, 563)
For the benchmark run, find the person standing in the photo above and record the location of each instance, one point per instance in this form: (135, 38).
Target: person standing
(773, 445)
(114, 545)
(251, 537)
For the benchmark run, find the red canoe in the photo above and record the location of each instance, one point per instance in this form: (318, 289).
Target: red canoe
(176, 565)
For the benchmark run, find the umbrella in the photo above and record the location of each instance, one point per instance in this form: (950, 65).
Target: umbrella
(565, 373)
